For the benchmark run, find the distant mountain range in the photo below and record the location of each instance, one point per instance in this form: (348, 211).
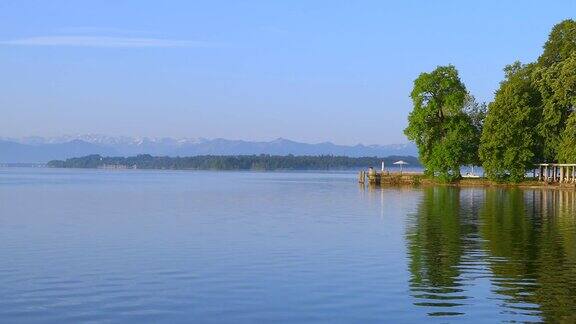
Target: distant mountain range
(44, 149)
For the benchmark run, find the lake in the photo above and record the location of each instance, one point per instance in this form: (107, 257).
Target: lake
(244, 247)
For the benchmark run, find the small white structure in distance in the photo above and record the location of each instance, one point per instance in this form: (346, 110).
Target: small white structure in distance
(470, 174)
(401, 164)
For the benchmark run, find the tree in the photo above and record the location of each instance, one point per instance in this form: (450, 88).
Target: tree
(567, 149)
(438, 124)
(557, 86)
(510, 142)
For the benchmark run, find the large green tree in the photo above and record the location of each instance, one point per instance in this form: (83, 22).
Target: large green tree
(510, 142)
(438, 124)
(557, 86)
(555, 78)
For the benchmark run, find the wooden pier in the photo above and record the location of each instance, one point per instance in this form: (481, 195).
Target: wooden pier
(373, 177)
(551, 175)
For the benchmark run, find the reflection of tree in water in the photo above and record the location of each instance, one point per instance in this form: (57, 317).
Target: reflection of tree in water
(522, 241)
(530, 236)
(440, 234)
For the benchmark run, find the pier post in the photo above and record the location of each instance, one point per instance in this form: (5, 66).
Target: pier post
(361, 177)
(554, 173)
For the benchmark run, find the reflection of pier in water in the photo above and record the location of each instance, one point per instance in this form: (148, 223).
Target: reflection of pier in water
(550, 201)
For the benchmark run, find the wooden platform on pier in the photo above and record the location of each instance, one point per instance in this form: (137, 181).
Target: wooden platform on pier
(379, 178)
(385, 177)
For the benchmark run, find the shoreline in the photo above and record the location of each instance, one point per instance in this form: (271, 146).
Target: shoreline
(418, 179)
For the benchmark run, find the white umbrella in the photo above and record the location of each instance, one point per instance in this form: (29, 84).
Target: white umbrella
(401, 164)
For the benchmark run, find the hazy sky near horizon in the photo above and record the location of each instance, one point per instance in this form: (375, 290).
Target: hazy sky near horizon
(308, 70)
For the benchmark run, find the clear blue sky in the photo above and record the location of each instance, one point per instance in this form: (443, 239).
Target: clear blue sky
(306, 70)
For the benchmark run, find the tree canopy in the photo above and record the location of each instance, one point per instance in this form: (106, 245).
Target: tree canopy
(532, 117)
(567, 149)
(509, 138)
(561, 43)
(446, 135)
(557, 86)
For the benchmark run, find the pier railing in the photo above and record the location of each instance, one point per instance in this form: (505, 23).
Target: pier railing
(556, 172)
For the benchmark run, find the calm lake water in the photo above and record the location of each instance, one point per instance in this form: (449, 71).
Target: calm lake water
(243, 247)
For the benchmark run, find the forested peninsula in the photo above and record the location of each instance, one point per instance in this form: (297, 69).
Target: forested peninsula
(532, 119)
(236, 162)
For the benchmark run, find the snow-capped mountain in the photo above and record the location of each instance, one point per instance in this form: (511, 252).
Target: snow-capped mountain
(43, 149)
(100, 139)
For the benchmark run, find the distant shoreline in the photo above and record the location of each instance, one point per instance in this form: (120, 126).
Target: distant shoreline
(230, 162)
(23, 165)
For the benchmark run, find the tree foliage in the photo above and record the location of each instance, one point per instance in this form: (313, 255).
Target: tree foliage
(557, 85)
(560, 45)
(531, 119)
(567, 149)
(509, 138)
(444, 133)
